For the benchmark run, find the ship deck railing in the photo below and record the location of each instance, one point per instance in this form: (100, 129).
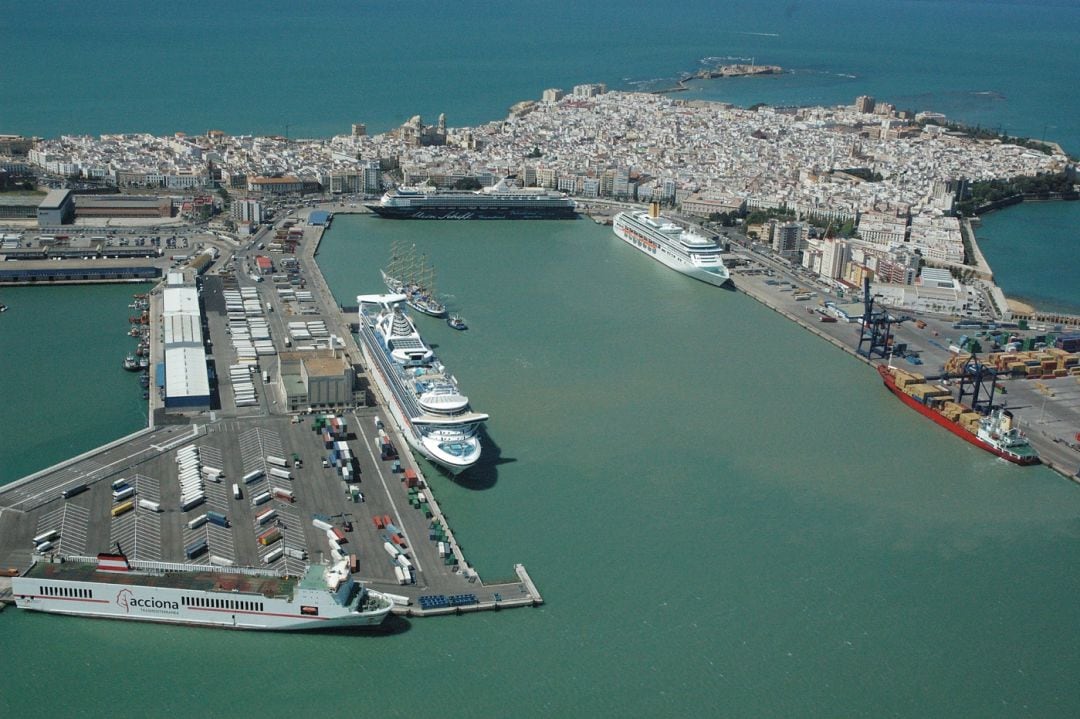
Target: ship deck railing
(146, 564)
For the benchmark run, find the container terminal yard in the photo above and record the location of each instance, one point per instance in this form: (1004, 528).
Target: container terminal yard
(242, 471)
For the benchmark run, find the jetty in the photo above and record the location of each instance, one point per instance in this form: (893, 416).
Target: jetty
(242, 445)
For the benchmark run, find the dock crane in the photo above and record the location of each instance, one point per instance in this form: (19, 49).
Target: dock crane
(973, 376)
(875, 335)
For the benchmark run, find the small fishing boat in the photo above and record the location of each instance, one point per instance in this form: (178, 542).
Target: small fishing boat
(456, 322)
(131, 363)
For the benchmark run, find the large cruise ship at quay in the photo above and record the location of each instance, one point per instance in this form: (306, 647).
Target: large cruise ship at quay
(421, 395)
(682, 250)
(114, 587)
(499, 202)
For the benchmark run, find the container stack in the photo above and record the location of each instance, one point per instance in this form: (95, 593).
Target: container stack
(242, 385)
(1048, 363)
(191, 478)
(248, 326)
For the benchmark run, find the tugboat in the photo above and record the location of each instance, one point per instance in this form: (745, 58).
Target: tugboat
(131, 363)
(456, 322)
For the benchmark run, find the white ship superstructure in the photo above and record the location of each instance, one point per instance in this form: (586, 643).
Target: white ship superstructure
(423, 398)
(499, 202)
(113, 587)
(667, 242)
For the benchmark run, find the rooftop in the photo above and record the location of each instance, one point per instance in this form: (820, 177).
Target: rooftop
(54, 199)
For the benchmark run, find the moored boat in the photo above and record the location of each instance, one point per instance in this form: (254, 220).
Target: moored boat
(668, 243)
(995, 432)
(499, 202)
(407, 275)
(420, 394)
(131, 363)
(456, 322)
(112, 586)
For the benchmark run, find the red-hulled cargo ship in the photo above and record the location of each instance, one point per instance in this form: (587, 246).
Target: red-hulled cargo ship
(994, 432)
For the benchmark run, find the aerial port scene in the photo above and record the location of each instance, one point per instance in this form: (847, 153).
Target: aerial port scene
(739, 386)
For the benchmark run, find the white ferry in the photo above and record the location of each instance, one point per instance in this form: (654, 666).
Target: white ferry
(682, 250)
(114, 587)
(421, 395)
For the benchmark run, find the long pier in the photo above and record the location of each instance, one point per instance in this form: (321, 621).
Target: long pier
(237, 440)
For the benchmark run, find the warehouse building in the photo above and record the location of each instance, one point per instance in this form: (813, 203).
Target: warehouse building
(187, 381)
(56, 209)
(122, 206)
(317, 379)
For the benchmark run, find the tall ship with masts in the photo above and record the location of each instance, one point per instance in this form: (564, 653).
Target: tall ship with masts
(412, 277)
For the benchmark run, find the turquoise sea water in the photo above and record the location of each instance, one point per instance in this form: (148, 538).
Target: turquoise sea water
(64, 391)
(1034, 251)
(276, 67)
(726, 516)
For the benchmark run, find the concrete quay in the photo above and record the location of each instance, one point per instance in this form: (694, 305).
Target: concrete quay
(237, 441)
(1048, 411)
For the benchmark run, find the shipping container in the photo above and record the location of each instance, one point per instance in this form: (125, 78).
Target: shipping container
(197, 522)
(122, 508)
(404, 562)
(321, 524)
(195, 548)
(43, 547)
(191, 502)
(280, 473)
(236, 493)
(295, 553)
(400, 574)
(119, 483)
(152, 506)
(46, 536)
(217, 518)
(391, 549)
(277, 461)
(286, 494)
(260, 499)
(252, 476)
(73, 491)
(338, 535)
(221, 561)
(263, 517)
(269, 536)
(354, 564)
(273, 555)
(123, 493)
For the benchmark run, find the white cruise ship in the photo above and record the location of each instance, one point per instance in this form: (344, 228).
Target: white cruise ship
(499, 202)
(682, 250)
(114, 587)
(422, 396)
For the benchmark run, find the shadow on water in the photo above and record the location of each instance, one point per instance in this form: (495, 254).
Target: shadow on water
(392, 626)
(484, 474)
